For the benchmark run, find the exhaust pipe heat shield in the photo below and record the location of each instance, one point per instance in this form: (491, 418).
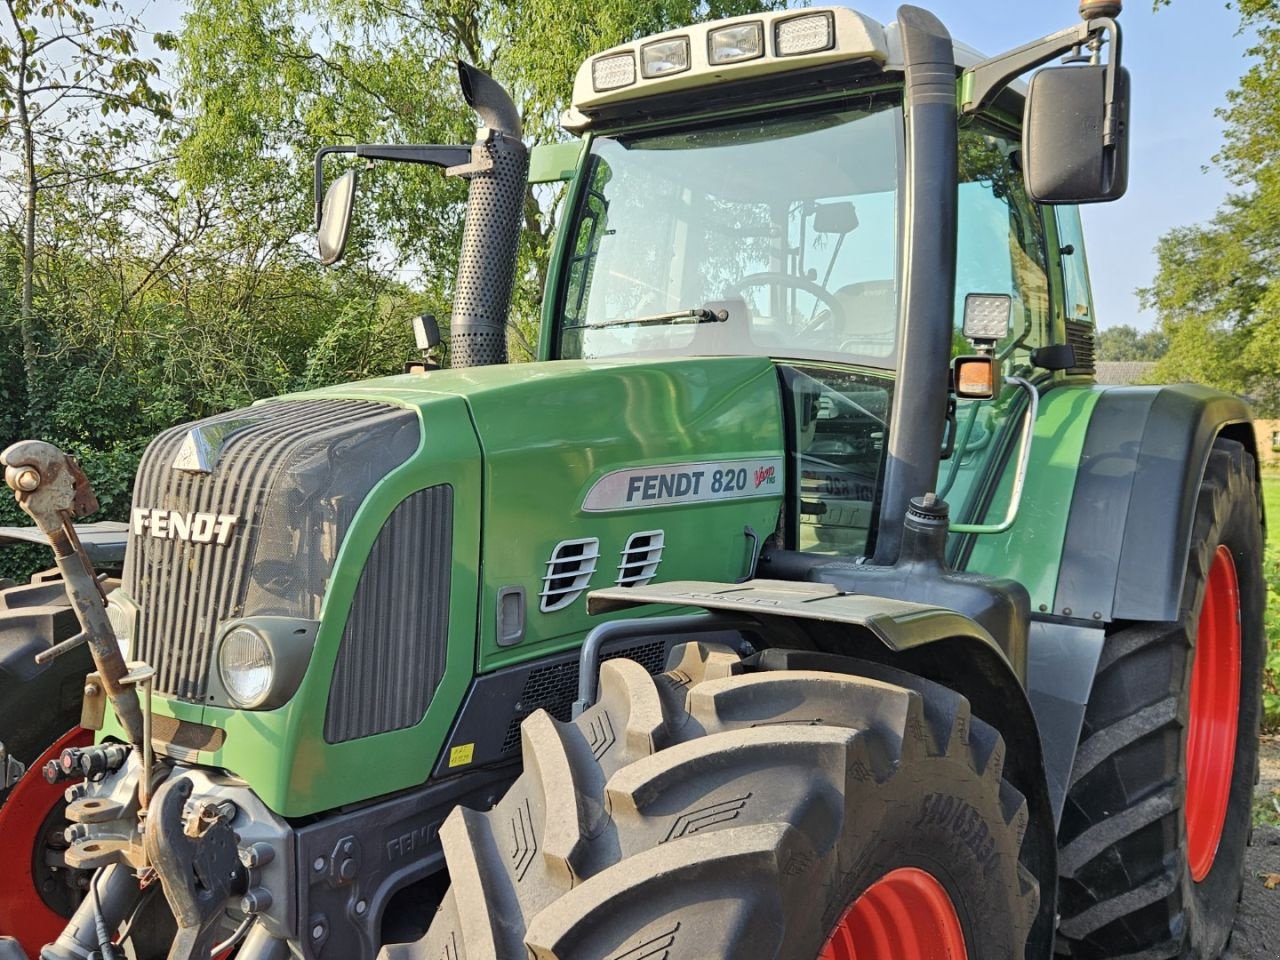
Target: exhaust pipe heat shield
(491, 236)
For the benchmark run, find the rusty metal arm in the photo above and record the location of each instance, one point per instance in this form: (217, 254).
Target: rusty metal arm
(52, 489)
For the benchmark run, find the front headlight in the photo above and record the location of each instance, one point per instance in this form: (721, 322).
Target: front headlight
(260, 662)
(245, 666)
(123, 614)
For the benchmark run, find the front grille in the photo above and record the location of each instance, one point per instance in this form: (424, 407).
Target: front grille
(294, 472)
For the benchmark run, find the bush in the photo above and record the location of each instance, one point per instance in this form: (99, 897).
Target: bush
(1271, 678)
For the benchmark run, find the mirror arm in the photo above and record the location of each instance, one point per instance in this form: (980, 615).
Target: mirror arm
(986, 79)
(435, 155)
(431, 154)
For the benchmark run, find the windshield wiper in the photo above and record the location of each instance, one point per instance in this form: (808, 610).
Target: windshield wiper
(699, 315)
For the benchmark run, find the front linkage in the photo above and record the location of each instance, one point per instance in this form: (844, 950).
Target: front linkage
(133, 821)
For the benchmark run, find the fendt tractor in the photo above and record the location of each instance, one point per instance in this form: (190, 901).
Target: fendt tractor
(807, 599)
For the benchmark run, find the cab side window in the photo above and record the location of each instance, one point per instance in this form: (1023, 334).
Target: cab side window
(1002, 248)
(1001, 244)
(1075, 268)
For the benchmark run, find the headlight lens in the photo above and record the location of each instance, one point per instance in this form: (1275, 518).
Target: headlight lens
(744, 41)
(123, 615)
(246, 666)
(610, 73)
(664, 57)
(809, 33)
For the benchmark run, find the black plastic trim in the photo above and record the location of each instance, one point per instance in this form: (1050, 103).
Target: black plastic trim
(1124, 555)
(691, 103)
(497, 702)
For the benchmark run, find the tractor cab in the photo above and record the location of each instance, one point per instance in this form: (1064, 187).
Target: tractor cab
(745, 188)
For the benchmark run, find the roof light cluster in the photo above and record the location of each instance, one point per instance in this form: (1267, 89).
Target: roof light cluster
(736, 42)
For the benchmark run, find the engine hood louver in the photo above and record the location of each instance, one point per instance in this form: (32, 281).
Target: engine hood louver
(640, 558)
(568, 572)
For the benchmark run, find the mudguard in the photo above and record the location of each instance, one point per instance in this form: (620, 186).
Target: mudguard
(104, 542)
(1130, 524)
(38, 703)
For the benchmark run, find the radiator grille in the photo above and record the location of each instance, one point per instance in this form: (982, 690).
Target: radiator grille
(294, 472)
(393, 648)
(1080, 337)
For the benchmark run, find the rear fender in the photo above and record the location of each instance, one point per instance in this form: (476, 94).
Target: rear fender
(38, 703)
(1130, 525)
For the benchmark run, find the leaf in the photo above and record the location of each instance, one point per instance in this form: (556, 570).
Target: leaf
(1271, 881)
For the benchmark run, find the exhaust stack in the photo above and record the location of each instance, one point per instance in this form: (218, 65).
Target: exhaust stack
(498, 172)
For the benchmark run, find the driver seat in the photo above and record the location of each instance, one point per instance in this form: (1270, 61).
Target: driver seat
(871, 317)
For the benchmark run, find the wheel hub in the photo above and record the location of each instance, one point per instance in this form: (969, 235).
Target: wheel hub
(905, 915)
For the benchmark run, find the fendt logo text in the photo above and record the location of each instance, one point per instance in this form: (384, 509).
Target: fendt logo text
(192, 527)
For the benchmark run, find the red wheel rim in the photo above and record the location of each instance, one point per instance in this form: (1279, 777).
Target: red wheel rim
(24, 914)
(1215, 711)
(905, 915)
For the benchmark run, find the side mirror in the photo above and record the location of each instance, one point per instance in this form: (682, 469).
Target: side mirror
(1076, 150)
(426, 332)
(335, 218)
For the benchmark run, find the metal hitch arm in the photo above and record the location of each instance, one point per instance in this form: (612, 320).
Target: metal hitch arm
(52, 489)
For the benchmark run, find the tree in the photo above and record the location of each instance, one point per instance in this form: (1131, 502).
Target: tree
(1127, 343)
(269, 81)
(63, 73)
(1215, 291)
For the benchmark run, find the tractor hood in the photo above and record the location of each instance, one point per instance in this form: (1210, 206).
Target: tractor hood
(401, 535)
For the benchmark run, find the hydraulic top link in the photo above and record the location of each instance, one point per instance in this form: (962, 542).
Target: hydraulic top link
(52, 489)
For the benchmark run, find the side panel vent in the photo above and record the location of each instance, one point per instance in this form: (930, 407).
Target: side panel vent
(1080, 337)
(393, 647)
(568, 572)
(554, 687)
(640, 558)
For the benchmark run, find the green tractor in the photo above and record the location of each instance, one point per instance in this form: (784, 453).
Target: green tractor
(806, 600)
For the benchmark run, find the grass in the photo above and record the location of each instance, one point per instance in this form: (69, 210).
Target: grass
(1271, 682)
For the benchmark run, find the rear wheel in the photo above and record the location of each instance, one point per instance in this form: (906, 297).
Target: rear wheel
(37, 890)
(713, 813)
(1158, 811)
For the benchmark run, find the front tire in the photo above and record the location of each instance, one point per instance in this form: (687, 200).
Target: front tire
(1157, 818)
(716, 813)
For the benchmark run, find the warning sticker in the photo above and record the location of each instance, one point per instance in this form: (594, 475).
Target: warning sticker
(666, 484)
(461, 755)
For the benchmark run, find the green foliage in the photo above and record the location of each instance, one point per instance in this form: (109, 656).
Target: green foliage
(1214, 292)
(1127, 343)
(1271, 573)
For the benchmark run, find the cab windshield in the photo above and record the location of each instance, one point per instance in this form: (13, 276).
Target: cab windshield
(774, 236)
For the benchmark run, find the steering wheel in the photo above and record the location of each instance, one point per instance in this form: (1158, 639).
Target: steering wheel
(835, 310)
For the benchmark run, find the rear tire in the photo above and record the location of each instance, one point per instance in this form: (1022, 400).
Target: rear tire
(711, 813)
(1131, 884)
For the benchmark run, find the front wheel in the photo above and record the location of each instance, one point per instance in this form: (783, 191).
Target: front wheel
(715, 813)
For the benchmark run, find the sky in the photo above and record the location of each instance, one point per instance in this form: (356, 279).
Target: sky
(1183, 60)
